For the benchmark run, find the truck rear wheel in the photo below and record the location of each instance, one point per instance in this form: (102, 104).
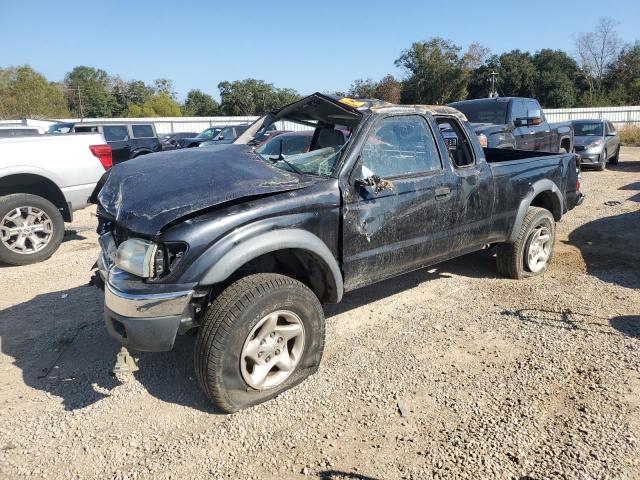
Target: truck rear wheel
(31, 229)
(263, 335)
(532, 251)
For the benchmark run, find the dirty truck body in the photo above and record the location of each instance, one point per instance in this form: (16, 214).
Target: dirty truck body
(246, 248)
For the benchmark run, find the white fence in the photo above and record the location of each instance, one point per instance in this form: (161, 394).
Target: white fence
(619, 116)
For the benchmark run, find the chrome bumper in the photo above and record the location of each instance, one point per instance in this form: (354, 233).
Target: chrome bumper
(141, 315)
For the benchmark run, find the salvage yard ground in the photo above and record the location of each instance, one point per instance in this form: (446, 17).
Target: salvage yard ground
(450, 372)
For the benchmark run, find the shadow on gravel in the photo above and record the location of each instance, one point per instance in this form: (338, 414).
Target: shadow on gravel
(627, 324)
(60, 343)
(625, 166)
(609, 248)
(56, 339)
(475, 265)
(338, 475)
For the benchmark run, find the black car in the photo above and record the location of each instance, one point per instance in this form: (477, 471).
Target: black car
(169, 141)
(127, 140)
(194, 141)
(226, 135)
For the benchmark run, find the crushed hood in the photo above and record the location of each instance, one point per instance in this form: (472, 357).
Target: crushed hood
(147, 193)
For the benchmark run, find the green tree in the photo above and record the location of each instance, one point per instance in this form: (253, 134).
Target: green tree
(253, 97)
(200, 104)
(163, 85)
(27, 93)
(388, 89)
(623, 77)
(437, 72)
(558, 79)
(516, 71)
(126, 94)
(159, 105)
(363, 88)
(89, 92)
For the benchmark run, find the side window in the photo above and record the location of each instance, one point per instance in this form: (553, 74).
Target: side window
(457, 142)
(86, 129)
(534, 107)
(400, 145)
(518, 110)
(115, 133)
(611, 128)
(142, 131)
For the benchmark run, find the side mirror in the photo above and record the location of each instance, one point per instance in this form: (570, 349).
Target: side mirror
(534, 120)
(378, 184)
(220, 137)
(172, 142)
(519, 122)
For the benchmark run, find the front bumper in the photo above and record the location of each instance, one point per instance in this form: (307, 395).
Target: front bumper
(589, 158)
(143, 316)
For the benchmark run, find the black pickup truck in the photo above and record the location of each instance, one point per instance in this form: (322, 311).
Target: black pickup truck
(246, 248)
(516, 123)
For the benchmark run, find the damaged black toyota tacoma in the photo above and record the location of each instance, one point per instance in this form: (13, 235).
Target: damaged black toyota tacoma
(245, 247)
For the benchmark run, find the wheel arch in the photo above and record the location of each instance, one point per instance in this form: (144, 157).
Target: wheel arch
(544, 194)
(34, 184)
(290, 251)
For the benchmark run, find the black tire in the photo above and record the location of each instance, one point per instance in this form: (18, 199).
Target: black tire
(602, 163)
(614, 160)
(511, 256)
(18, 200)
(229, 321)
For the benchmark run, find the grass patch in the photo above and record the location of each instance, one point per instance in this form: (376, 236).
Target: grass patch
(630, 136)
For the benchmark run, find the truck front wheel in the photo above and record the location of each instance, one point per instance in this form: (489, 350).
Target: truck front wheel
(532, 251)
(263, 335)
(31, 229)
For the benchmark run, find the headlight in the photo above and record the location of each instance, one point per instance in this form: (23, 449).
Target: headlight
(137, 256)
(483, 140)
(595, 144)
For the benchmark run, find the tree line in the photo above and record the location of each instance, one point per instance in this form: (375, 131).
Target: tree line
(602, 71)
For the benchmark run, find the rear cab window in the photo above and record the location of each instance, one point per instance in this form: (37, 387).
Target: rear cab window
(142, 131)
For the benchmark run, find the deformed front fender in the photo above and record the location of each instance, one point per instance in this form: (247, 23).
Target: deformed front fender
(289, 238)
(539, 187)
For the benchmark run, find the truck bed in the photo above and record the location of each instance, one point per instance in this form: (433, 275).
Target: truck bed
(498, 155)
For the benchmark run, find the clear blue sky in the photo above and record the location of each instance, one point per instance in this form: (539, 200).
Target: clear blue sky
(306, 45)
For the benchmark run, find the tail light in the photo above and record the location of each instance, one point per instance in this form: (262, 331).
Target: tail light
(102, 153)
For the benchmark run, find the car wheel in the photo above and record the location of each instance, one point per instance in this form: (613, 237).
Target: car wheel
(615, 158)
(31, 229)
(532, 251)
(263, 335)
(603, 162)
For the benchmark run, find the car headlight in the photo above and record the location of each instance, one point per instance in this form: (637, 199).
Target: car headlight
(596, 144)
(483, 140)
(137, 256)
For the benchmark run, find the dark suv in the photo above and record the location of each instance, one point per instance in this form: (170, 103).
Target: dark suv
(127, 140)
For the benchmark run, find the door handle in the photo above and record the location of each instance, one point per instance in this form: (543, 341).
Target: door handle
(442, 193)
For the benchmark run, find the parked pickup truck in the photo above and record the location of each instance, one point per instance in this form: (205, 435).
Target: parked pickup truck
(516, 123)
(43, 179)
(246, 247)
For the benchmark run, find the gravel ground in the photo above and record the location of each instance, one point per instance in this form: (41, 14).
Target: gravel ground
(450, 372)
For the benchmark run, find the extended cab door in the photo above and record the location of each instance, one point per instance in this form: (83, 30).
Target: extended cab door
(117, 136)
(398, 202)
(541, 131)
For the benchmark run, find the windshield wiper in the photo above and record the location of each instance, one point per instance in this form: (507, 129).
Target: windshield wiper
(289, 164)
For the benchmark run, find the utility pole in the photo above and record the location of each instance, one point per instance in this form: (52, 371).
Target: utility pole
(80, 101)
(493, 93)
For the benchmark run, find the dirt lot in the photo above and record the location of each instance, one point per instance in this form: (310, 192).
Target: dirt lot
(496, 378)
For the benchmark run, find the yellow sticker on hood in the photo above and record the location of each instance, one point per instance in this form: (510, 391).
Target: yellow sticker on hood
(352, 103)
